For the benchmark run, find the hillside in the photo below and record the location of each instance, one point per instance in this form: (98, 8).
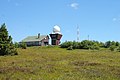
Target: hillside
(53, 63)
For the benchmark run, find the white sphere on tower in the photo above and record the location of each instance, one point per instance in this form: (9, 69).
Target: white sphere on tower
(56, 29)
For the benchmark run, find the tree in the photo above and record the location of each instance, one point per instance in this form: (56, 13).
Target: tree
(108, 44)
(23, 45)
(95, 46)
(6, 44)
(112, 48)
(75, 45)
(86, 44)
(101, 44)
(118, 49)
(117, 44)
(66, 44)
(17, 45)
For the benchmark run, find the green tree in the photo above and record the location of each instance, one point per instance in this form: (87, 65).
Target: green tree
(117, 44)
(86, 44)
(118, 49)
(23, 45)
(112, 47)
(6, 44)
(75, 45)
(66, 44)
(108, 44)
(95, 46)
(17, 45)
(113, 43)
(101, 44)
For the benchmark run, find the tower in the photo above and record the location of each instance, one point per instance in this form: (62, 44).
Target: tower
(78, 34)
(55, 35)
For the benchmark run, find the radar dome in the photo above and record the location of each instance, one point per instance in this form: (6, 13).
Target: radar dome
(56, 29)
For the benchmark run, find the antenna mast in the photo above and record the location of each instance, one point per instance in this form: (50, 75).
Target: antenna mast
(88, 37)
(78, 34)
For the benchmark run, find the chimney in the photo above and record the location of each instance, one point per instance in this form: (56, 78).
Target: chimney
(38, 35)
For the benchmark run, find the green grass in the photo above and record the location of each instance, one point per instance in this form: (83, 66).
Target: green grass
(53, 63)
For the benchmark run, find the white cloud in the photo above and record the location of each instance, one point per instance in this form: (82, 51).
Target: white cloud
(114, 19)
(74, 5)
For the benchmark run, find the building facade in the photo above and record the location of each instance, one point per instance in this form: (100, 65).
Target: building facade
(55, 35)
(40, 40)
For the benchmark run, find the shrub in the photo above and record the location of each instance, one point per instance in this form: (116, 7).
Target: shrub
(107, 44)
(70, 48)
(118, 49)
(86, 44)
(94, 46)
(75, 45)
(17, 45)
(23, 45)
(66, 44)
(112, 48)
(117, 44)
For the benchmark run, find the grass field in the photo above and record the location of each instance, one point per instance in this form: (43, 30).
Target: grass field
(53, 63)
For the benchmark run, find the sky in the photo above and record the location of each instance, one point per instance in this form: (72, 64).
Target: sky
(100, 19)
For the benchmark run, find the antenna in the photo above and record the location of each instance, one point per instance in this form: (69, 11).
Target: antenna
(78, 34)
(88, 37)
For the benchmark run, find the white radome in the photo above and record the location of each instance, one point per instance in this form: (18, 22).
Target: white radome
(56, 29)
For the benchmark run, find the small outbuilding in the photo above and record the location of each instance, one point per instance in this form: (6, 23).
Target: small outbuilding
(40, 40)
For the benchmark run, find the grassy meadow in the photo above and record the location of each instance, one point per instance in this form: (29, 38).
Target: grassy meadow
(54, 63)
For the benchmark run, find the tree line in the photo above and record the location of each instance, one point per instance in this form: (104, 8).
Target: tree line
(91, 45)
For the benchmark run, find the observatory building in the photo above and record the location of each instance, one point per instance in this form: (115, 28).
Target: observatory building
(55, 35)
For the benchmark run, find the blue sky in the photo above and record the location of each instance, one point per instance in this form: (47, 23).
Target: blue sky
(100, 19)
